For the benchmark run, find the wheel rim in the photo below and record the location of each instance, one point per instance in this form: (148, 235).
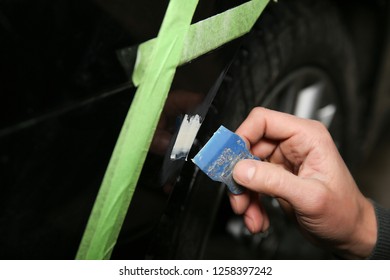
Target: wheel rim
(308, 93)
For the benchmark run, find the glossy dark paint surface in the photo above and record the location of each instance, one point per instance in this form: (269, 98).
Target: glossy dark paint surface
(63, 98)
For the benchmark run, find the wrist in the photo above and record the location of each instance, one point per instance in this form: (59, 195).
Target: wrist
(365, 234)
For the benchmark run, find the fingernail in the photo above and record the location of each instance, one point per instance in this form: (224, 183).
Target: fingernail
(250, 224)
(244, 171)
(250, 172)
(233, 203)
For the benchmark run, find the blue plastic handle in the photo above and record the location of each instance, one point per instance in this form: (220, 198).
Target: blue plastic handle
(219, 156)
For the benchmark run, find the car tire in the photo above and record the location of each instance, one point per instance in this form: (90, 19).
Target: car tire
(294, 47)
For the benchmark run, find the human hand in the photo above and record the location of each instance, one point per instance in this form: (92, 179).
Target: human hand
(303, 169)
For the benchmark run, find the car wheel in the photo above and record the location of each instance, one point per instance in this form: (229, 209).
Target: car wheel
(297, 59)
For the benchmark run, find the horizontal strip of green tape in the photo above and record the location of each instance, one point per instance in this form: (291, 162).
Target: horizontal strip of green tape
(176, 43)
(207, 35)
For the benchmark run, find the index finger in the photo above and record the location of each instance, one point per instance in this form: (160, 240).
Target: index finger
(269, 124)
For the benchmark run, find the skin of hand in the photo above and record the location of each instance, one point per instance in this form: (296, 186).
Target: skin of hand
(303, 169)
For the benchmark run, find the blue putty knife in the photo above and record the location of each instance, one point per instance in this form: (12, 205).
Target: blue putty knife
(219, 156)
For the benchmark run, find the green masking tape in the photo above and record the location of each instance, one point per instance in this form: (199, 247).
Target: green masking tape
(134, 140)
(172, 45)
(207, 35)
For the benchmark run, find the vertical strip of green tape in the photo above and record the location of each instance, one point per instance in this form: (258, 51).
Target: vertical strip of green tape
(134, 140)
(177, 42)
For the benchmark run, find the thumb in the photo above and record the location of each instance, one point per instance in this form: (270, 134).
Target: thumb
(272, 180)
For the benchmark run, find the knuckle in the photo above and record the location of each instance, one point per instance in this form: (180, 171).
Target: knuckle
(319, 126)
(274, 179)
(257, 111)
(319, 132)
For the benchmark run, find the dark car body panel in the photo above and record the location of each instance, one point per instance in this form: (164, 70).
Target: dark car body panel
(63, 98)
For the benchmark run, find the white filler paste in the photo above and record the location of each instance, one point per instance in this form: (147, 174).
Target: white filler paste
(185, 138)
